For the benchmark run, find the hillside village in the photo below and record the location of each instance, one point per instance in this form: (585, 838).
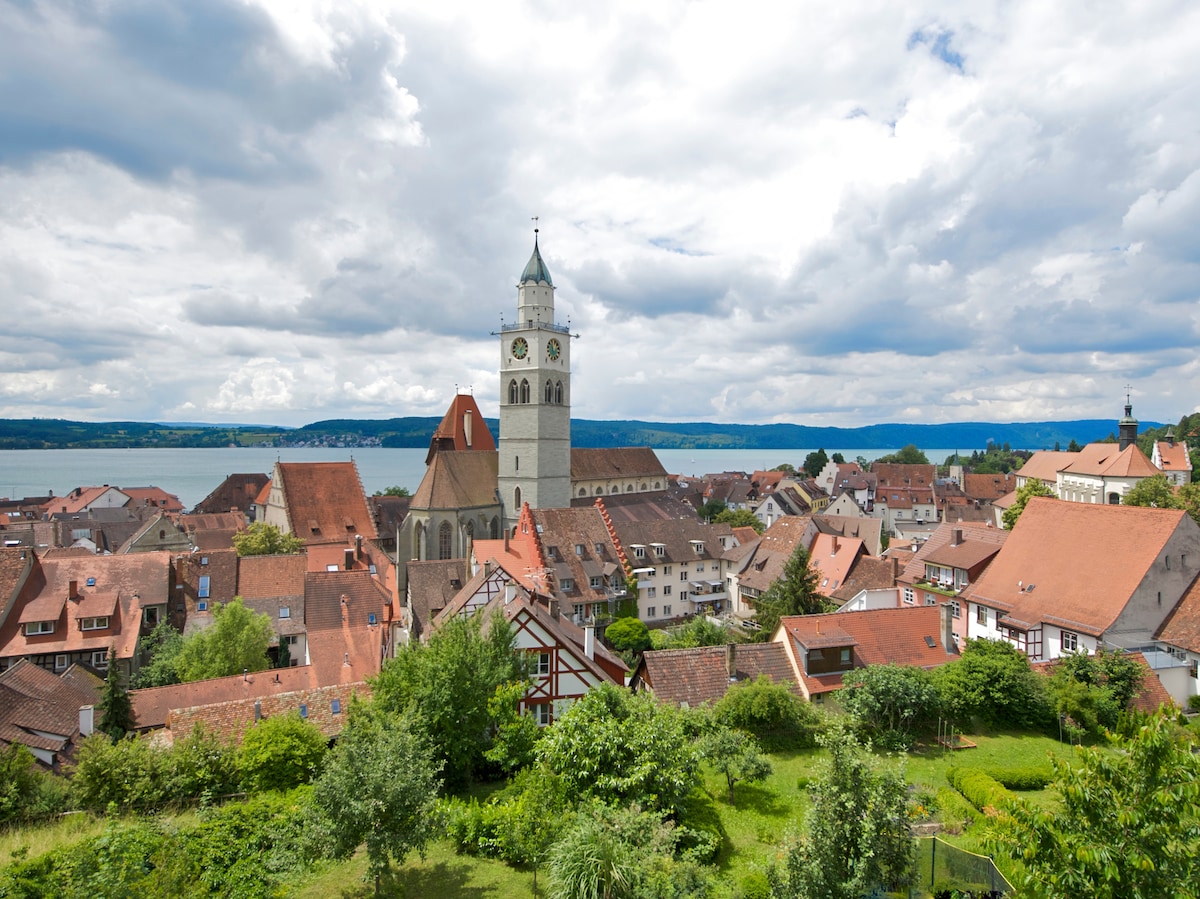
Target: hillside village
(910, 561)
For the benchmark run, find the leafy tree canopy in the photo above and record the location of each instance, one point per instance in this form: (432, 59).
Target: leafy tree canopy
(281, 752)
(379, 787)
(771, 712)
(793, 593)
(621, 747)
(1157, 492)
(889, 702)
(1033, 487)
(855, 836)
(394, 490)
(236, 641)
(740, 518)
(786, 467)
(1127, 824)
(735, 755)
(163, 644)
(116, 710)
(814, 462)
(992, 681)
(449, 681)
(264, 539)
(908, 455)
(628, 635)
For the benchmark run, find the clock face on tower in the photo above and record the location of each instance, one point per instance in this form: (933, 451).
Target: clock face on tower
(553, 350)
(520, 347)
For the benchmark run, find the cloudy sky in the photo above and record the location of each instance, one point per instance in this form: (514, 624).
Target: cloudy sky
(822, 213)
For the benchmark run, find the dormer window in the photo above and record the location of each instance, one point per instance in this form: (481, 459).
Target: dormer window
(579, 549)
(639, 551)
(33, 628)
(93, 624)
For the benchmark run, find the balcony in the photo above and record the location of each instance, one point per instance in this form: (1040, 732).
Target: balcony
(537, 326)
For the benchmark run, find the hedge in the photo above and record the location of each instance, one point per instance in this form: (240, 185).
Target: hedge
(981, 789)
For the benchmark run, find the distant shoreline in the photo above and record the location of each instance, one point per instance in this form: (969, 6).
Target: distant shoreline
(415, 432)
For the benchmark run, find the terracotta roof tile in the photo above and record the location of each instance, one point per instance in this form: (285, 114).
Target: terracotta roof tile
(325, 501)
(616, 463)
(700, 675)
(237, 491)
(455, 480)
(35, 702)
(1182, 627)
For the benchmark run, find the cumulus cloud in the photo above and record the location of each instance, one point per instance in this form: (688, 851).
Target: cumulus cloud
(287, 212)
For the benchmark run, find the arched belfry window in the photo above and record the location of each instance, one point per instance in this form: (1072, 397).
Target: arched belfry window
(517, 500)
(549, 392)
(524, 391)
(445, 532)
(512, 391)
(558, 393)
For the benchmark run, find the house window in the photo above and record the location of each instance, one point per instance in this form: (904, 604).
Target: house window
(335, 706)
(568, 584)
(577, 610)
(652, 612)
(543, 663)
(955, 608)
(100, 659)
(981, 614)
(667, 590)
(666, 569)
(202, 590)
(666, 611)
(579, 549)
(39, 627)
(660, 550)
(93, 624)
(651, 592)
(596, 582)
(285, 612)
(524, 391)
(202, 606)
(60, 661)
(1070, 641)
(931, 600)
(683, 575)
(150, 615)
(845, 656)
(909, 596)
(304, 710)
(639, 552)
(541, 714)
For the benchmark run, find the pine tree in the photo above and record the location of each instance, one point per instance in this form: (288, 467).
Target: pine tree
(116, 709)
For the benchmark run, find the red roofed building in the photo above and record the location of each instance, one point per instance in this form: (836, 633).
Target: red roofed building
(823, 648)
(1172, 459)
(319, 502)
(702, 675)
(1074, 576)
(953, 558)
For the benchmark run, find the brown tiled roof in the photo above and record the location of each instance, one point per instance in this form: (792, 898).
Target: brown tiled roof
(36, 703)
(80, 498)
(1052, 554)
(325, 501)
(456, 480)
(868, 530)
(900, 474)
(617, 463)
(676, 538)
(868, 573)
(15, 565)
(344, 646)
(979, 543)
(988, 486)
(390, 512)
(701, 674)
(432, 585)
(647, 506)
(1182, 627)
(154, 497)
(1152, 694)
(1174, 457)
(237, 491)
(745, 534)
(264, 576)
(832, 558)
(461, 429)
(1109, 460)
(558, 533)
(774, 548)
(898, 636)
(1045, 465)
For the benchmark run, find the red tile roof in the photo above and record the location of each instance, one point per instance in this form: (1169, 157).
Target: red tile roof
(325, 501)
(1182, 627)
(461, 429)
(700, 675)
(40, 709)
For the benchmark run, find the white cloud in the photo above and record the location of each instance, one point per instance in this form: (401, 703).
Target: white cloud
(934, 211)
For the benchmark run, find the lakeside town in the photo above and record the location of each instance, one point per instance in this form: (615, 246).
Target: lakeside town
(594, 562)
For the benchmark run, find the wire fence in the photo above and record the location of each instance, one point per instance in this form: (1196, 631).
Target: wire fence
(943, 868)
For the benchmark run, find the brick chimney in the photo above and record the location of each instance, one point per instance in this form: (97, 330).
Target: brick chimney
(731, 660)
(947, 621)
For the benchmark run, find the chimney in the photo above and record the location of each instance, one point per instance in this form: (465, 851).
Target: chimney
(836, 545)
(358, 545)
(73, 590)
(589, 641)
(87, 720)
(947, 627)
(731, 660)
(956, 537)
(553, 608)
(510, 592)
(349, 559)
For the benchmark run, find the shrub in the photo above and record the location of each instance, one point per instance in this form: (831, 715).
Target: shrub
(280, 753)
(771, 712)
(1194, 703)
(980, 789)
(1024, 777)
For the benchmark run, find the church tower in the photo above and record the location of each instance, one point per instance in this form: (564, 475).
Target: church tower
(535, 399)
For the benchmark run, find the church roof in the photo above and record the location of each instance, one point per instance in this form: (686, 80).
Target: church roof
(458, 480)
(535, 269)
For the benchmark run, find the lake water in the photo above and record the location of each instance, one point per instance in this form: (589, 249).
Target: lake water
(191, 474)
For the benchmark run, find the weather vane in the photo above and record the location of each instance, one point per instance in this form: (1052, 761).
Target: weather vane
(535, 224)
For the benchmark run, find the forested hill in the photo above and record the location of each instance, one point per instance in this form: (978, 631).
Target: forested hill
(41, 433)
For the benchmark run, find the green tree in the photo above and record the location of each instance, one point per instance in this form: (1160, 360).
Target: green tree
(236, 641)
(628, 635)
(163, 644)
(908, 455)
(1032, 487)
(735, 755)
(264, 539)
(379, 787)
(889, 702)
(992, 681)
(116, 710)
(740, 518)
(771, 712)
(513, 747)
(711, 510)
(700, 631)
(855, 836)
(793, 593)
(814, 462)
(394, 490)
(450, 681)
(621, 747)
(18, 782)
(838, 458)
(281, 752)
(1093, 690)
(786, 467)
(1154, 492)
(1127, 825)
(1074, 447)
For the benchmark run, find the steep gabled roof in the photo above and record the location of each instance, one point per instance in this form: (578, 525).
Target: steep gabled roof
(1172, 456)
(461, 429)
(1182, 627)
(39, 709)
(764, 564)
(988, 486)
(617, 463)
(325, 501)
(1110, 461)
(237, 491)
(458, 481)
(832, 558)
(1074, 564)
